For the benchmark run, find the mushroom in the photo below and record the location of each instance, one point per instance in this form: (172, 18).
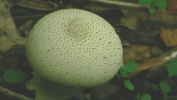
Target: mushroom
(74, 48)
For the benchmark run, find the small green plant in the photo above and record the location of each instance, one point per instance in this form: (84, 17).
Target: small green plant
(145, 97)
(165, 87)
(154, 4)
(125, 72)
(172, 68)
(128, 68)
(129, 85)
(14, 76)
(172, 71)
(131, 66)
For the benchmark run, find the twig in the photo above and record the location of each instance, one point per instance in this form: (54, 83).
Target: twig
(13, 94)
(120, 3)
(28, 16)
(157, 61)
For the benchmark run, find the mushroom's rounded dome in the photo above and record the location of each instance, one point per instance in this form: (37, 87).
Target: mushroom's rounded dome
(75, 48)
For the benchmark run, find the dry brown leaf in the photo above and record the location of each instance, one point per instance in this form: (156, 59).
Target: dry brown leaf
(172, 6)
(136, 53)
(140, 14)
(9, 35)
(140, 53)
(130, 22)
(169, 37)
(163, 16)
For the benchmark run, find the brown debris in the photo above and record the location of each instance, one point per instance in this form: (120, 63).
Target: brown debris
(136, 53)
(157, 61)
(130, 22)
(172, 6)
(163, 16)
(36, 4)
(25, 27)
(140, 52)
(9, 35)
(169, 37)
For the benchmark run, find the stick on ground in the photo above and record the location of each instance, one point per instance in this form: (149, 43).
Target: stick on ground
(13, 94)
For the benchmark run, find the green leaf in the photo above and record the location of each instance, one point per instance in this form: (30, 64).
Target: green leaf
(146, 2)
(152, 10)
(146, 97)
(161, 3)
(130, 66)
(123, 73)
(172, 68)
(165, 87)
(128, 85)
(14, 76)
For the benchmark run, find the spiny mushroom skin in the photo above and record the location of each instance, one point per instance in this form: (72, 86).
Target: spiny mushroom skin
(75, 48)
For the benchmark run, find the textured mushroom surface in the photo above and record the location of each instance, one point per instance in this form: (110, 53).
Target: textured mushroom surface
(75, 48)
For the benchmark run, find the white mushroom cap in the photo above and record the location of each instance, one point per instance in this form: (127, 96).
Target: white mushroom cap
(74, 47)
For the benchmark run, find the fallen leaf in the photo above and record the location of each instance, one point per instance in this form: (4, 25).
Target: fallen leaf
(130, 22)
(9, 35)
(172, 6)
(169, 37)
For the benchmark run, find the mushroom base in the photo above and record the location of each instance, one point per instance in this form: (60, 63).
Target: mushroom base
(46, 90)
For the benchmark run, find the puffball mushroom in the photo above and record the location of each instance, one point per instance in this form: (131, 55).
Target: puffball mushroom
(75, 48)
(71, 48)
